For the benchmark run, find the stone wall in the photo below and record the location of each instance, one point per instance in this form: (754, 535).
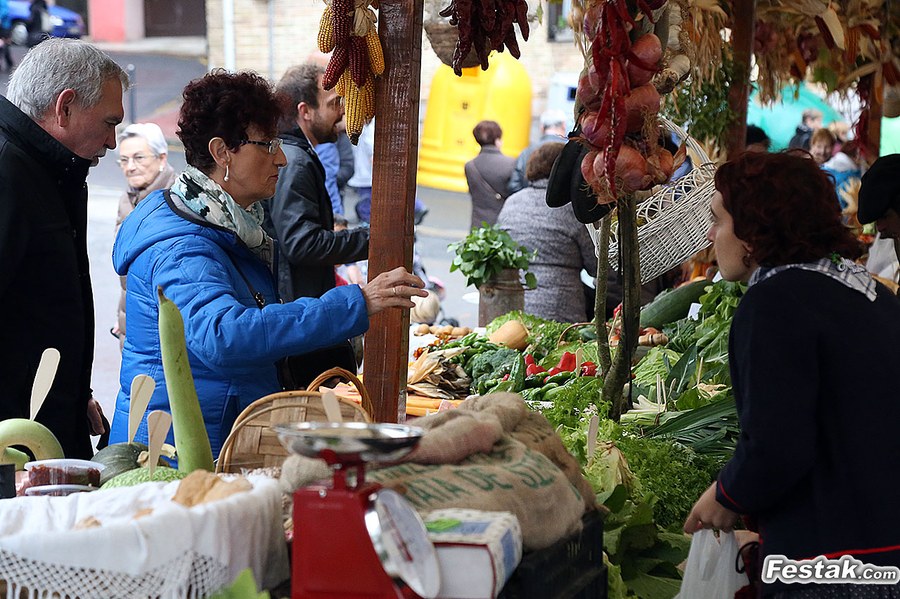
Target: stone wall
(293, 24)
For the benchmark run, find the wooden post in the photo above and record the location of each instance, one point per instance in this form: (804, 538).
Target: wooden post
(743, 26)
(873, 129)
(393, 198)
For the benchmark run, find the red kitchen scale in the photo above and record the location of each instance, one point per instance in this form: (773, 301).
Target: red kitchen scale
(353, 539)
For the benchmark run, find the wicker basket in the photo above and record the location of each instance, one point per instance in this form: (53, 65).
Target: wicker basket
(253, 444)
(345, 375)
(675, 218)
(443, 38)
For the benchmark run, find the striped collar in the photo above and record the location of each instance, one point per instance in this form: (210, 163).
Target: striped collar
(843, 271)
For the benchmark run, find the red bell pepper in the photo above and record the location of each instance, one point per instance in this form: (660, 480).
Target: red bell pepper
(534, 369)
(567, 361)
(529, 360)
(588, 369)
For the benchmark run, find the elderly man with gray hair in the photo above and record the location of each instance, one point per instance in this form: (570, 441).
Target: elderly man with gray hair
(553, 128)
(59, 118)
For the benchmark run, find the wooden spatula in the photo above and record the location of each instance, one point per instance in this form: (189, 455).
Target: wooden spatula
(593, 428)
(158, 423)
(332, 407)
(142, 387)
(43, 379)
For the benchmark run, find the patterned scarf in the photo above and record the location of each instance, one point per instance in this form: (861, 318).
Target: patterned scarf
(209, 201)
(843, 271)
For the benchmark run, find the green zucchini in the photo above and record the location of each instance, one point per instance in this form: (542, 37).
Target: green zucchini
(672, 304)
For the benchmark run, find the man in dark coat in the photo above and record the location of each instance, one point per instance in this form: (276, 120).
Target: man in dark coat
(553, 128)
(301, 215)
(54, 126)
(810, 121)
(487, 174)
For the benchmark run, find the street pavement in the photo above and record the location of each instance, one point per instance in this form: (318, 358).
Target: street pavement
(161, 70)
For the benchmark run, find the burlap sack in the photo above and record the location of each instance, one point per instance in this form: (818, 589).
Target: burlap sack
(536, 432)
(491, 453)
(454, 435)
(510, 478)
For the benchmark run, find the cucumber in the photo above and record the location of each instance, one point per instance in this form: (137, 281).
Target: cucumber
(672, 304)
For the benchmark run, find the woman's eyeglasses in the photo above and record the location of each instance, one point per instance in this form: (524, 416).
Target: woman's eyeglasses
(271, 147)
(139, 159)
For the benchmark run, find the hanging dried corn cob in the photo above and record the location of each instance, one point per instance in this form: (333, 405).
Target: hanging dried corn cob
(347, 30)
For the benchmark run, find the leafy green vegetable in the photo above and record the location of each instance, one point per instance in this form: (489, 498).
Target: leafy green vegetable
(673, 473)
(722, 299)
(712, 429)
(542, 334)
(474, 343)
(640, 555)
(608, 473)
(573, 405)
(486, 251)
(658, 361)
(681, 334)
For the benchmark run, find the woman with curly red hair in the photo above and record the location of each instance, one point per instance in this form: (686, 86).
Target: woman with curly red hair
(812, 350)
(203, 243)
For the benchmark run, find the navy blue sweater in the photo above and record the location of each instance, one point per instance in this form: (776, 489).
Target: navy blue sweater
(812, 364)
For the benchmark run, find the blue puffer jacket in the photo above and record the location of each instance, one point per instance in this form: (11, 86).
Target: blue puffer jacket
(232, 344)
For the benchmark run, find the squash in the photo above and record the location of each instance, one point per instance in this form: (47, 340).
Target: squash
(191, 438)
(118, 458)
(512, 334)
(39, 440)
(137, 476)
(672, 305)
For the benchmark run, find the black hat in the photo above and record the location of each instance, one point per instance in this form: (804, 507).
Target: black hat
(880, 189)
(567, 184)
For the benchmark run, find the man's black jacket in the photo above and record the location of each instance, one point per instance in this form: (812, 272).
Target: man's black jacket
(45, 285)
(303, 223)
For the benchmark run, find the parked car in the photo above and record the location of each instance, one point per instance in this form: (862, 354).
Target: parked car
(66, 23)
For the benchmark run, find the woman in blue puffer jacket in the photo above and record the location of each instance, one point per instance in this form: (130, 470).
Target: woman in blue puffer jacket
(203, 244)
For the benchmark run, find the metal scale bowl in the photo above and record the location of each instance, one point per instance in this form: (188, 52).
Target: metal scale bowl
(354, 539)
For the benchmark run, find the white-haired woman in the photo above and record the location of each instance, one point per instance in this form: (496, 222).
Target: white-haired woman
(142, 157)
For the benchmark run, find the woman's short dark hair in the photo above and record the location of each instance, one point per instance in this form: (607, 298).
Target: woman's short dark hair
(223, 104)
(487, 132)
(785, 208)
(540, 163)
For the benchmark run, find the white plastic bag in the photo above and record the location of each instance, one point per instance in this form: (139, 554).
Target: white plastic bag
(710, 572)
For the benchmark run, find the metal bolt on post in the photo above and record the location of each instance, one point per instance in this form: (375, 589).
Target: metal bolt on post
(132, 93)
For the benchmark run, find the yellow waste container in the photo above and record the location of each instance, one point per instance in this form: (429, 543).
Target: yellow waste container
(457, 104)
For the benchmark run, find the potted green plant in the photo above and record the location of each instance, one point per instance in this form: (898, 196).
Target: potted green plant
(492, 261)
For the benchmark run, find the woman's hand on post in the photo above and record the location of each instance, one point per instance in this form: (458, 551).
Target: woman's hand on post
(392, 289)
(709, 513)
